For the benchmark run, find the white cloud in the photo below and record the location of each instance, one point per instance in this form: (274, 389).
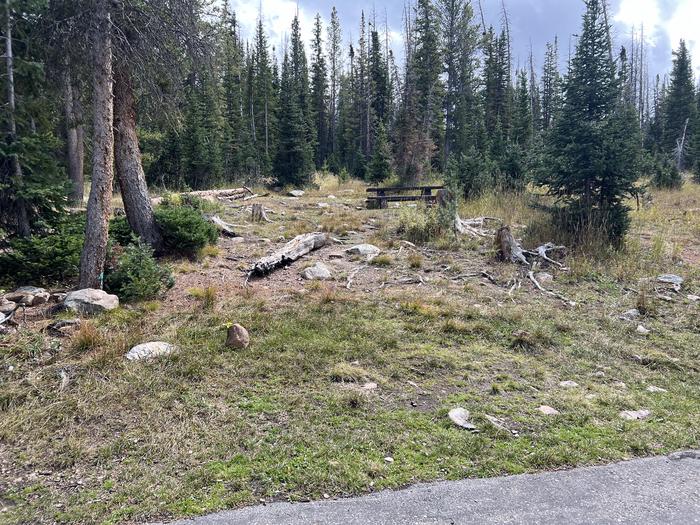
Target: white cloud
(684, 23)
(277, 19)
(635, 14)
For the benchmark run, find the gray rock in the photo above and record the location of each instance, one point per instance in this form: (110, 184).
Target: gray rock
(669, 278)
(323, 205)
(642, 330)
(568, 384)
(548, 411)
(6, 306)
(64, 327)
(635, 415)
(57, 297)
(694, 298)
(29, 296)
(656, 390)
(90, 301)
(544, 277)
(238, 337)
(296, 193)
(150, 351)
(460, 417)
(631, 315)
(317, 272)
(364, 249)
(369, 386)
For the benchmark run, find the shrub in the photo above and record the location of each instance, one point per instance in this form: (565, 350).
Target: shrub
(666, 176)
(184, 229)
(137, 276)
(120, 231)
(45, 259)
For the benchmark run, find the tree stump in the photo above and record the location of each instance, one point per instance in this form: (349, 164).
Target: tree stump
(258, 213)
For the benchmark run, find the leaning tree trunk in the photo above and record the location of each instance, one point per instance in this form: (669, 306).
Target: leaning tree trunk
(92, 259)
(74, 138)
(22, 216)
(132, 181)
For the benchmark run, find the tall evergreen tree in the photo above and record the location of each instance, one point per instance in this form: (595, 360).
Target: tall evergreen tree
(593, 150)
(551, 85)
(335, 67)
(679, 107)
(264, 103)
(319, 94)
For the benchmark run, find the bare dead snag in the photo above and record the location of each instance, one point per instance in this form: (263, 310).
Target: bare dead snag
(508, 249)
(290, 252)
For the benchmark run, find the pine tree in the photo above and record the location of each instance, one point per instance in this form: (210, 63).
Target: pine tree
(593, 150)
(264, 103)
(551, 86)
(335, 66)
(380, 164)
(319, 94)
(294, 161)
(679, 107)
(522, 118)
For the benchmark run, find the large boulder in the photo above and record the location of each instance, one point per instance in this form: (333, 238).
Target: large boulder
(317, 272)
(296, 193)
(150, 351)
(90, 301)
(7, 306)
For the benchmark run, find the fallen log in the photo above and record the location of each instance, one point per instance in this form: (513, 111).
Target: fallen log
(212, 195)
(290, 252)
(223, 227)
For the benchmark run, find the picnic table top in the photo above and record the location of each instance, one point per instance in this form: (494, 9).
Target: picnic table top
(405, 188)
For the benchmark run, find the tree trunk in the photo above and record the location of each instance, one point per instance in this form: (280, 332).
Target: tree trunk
(132, 181)
(22, 216)
(74, 138)
(92, 259)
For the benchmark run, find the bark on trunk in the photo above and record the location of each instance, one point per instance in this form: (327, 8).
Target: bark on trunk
(22, 216)
(132, 180)
(92, 258)
(74, 139)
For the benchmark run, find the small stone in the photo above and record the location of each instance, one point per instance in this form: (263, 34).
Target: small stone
(317, 272)
(150, 351)
(7, 306)
(568, 384)
(544, 277)
(669, 278)
(642, 330)
(296, 193)
(369, 386)
(620, 385)
(323, 205)
(460, 417)
(332, 197)
(326, 496)
(694, 298)
(90, 301)
(635, 415)
(656, 390)
(389, 459)
(238, 337)
(599, 373)
(548, 411)
(364, 249)
(631, 315)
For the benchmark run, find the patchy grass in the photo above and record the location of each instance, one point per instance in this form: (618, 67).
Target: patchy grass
(288, 418)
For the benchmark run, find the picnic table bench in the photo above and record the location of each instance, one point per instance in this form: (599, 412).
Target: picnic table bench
(398, 194)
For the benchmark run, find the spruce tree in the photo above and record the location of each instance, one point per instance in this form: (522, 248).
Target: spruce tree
(593, 150)
(380, 165)
(679, 107)
(335, 66)
(319, 94)
(264, 103)
(551, 85)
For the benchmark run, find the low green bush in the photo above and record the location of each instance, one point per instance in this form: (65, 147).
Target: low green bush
(137, 276)
(45, 259)
(184, 229)
(120, 231)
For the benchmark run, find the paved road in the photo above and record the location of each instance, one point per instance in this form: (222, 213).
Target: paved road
(646, 491)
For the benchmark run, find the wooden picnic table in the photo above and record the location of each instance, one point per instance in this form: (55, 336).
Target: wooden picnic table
(395, 194)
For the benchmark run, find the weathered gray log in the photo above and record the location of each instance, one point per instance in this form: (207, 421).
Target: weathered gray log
(213, 195)
(223, 227)
(290, 252)
(507, 248)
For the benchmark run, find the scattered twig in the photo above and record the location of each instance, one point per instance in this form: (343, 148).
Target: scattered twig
(531, 276)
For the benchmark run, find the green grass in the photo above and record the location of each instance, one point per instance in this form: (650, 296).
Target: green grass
(210, 428)
(288, 418)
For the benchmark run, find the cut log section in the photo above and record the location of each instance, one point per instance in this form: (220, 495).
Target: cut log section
(290, 252)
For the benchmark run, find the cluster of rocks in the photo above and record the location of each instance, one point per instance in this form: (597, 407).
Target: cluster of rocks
(321, 272)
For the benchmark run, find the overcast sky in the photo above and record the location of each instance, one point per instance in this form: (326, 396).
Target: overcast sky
(533, 22)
